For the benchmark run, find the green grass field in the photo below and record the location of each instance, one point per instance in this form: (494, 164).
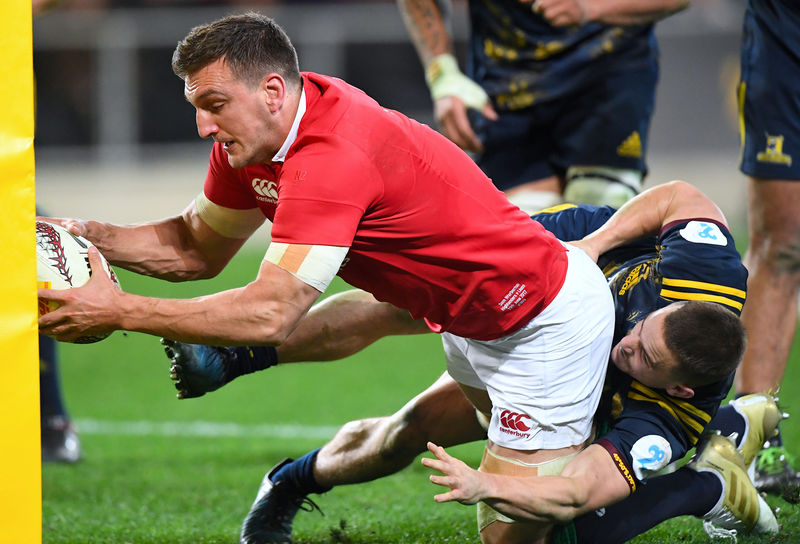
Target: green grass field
(159, 470)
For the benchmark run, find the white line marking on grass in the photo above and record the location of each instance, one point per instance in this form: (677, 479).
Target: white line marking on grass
(202, 428)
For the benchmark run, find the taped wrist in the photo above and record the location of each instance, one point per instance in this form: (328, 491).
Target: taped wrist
(444, 78)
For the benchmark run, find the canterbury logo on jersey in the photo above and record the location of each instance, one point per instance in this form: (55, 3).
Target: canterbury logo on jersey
(677, 289)
(515, 423)
(266, 190)
(692, 419)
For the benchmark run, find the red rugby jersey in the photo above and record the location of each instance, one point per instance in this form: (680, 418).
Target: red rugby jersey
(426, 228)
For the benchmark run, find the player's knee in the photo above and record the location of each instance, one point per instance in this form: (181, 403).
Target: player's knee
(779, 252)
(531, 201)
(406, 435)
(601, 186)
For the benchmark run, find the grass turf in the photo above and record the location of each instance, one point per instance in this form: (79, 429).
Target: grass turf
(162, 487)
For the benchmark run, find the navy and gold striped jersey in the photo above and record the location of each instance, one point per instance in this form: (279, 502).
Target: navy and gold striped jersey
(689, 260)
(520, 59)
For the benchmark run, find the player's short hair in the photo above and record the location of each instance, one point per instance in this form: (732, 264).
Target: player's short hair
(707, 339)
(252, 45)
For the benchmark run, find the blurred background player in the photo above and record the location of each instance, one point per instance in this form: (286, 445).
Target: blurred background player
(561, 92)
(59, 439)
(769, 102)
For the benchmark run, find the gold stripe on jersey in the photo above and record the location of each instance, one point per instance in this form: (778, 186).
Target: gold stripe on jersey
(699, 414)
(704, 285)
(557, 208)
(667, 293)
(690, 417)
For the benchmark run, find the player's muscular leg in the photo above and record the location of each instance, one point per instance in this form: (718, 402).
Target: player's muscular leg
(515, 533)
(372, 448)
(498, 529)
(344, 324)
(773, 260)
(602, 185)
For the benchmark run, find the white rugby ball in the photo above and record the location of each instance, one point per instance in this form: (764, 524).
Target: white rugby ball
(62, 262)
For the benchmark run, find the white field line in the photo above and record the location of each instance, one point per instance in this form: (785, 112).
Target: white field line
(202, 428)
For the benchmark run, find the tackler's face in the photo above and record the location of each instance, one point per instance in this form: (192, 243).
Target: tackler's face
(233, 114)
(643, 352)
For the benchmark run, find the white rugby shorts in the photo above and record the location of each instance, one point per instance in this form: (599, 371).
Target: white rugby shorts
(545, 380)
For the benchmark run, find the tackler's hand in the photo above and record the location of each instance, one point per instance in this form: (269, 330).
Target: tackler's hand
(453, 94)
(463, 481)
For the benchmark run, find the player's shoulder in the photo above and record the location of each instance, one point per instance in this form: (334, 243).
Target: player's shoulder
(698, 260)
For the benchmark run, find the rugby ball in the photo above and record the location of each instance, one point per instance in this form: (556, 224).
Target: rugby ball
(62, 262)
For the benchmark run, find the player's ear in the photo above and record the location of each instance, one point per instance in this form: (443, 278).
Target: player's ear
(680, 391)
(274, 88)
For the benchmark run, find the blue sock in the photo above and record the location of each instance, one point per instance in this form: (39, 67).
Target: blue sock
(684, 492)
(252, 359)
(51, 402)
(301, 473)
(728, 420)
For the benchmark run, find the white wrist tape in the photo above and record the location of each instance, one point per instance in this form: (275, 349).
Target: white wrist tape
(445, 79)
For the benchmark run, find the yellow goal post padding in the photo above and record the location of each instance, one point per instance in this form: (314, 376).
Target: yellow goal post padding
(20, 453)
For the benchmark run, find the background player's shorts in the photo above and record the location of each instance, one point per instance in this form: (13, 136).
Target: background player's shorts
(769, 96)
(544, 380)
(606, 124)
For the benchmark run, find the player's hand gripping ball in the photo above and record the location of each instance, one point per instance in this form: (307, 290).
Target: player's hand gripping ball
(62, 262)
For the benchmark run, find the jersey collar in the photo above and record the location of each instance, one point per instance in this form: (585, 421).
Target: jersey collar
(280, 156)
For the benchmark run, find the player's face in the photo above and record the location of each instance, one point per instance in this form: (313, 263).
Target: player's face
(643, 352)
(232, 113)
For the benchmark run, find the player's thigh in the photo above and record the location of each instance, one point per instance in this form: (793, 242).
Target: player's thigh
(607, 123)
(500, 532)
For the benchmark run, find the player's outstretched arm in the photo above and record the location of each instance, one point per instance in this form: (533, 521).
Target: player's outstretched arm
(645, 215)
(264, 312)
(177, 248)
(588, 482)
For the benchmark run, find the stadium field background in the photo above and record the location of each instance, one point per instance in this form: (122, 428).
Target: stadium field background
(116, 142)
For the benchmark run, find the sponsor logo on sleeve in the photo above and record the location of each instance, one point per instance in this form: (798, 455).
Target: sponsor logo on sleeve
(703, 232)
(623, 469)
(650, 454)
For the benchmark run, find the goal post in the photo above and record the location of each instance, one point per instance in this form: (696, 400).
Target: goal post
(20, 451)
